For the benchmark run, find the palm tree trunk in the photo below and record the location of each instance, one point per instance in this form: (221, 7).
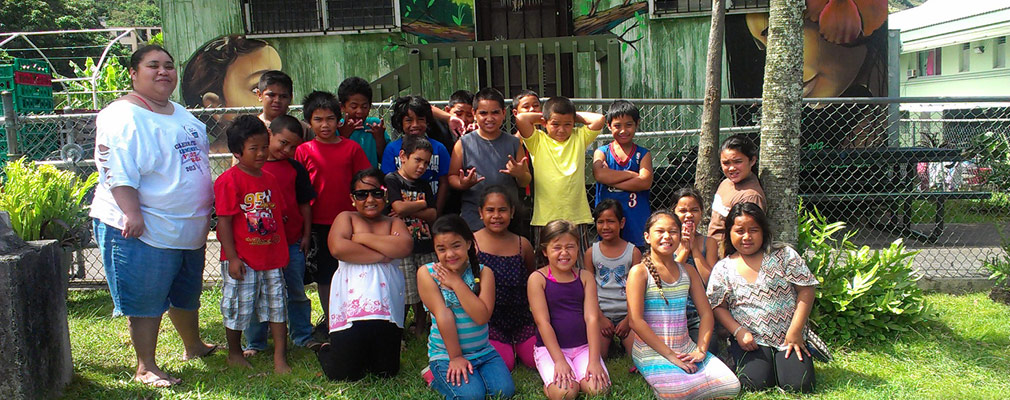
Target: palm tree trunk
(780, 116)
(708, 174)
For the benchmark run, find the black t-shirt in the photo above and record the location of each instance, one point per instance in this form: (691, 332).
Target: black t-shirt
(401, 189)
(304, 192)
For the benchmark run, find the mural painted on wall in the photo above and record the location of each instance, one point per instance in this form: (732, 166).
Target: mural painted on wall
(224, 73)
(438, 20)
(844, 55)
(592, 19)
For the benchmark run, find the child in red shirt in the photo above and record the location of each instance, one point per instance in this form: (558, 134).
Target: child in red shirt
(250, 209)
(331, 161)
(286, 134)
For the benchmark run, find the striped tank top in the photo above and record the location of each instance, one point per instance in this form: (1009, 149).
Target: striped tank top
(473, 338)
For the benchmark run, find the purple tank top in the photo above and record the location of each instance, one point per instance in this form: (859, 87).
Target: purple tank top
(565, 303)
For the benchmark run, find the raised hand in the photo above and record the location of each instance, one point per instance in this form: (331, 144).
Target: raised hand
(457, 126)
(448, 279)
(469, 178)
(513, 167)
(377, 129)
(348, 126)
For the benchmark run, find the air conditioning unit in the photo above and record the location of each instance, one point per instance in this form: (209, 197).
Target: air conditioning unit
(912, 73)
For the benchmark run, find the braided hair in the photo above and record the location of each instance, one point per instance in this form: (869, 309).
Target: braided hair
(454, 224)
(647, 257)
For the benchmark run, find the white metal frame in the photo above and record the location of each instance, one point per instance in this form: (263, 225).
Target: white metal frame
(325, 27)
(119, 32)
(729, 10)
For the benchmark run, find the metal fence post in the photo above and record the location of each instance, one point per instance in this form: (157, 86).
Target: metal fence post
(10, 126)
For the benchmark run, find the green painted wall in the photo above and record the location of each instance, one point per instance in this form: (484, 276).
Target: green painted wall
(981, 79)
(668, 60)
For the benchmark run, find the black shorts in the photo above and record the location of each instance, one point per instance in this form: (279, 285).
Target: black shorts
(320, 257)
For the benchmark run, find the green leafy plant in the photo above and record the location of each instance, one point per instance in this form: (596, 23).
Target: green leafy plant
(113, 80)
(46, 203)
(864, 293)
(993, 150)
(999, 266)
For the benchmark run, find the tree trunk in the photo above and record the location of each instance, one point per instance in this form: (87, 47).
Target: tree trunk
(708, 174)
(780, 116)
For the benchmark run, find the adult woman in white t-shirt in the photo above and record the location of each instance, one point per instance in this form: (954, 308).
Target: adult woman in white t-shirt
(152, 210)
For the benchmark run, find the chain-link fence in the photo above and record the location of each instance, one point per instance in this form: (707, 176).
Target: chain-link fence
(929, 171)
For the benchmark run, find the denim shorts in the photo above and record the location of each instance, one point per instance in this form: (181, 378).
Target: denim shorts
(145, 281)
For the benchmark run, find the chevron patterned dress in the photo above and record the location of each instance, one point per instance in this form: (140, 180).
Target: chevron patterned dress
(712, 379)
(766, 306)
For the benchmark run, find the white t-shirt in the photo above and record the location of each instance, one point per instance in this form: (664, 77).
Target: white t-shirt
(164, 157)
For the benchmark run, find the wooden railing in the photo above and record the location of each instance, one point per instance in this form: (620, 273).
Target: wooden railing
(550, 66)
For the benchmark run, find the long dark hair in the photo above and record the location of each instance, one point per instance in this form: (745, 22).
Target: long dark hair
(417, 104)
(754, 211)
(205, 71)
(743, 144)
(452, 223)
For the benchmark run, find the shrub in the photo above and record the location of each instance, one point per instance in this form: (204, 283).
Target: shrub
(864, 294)
(46, 203)
(999, 266)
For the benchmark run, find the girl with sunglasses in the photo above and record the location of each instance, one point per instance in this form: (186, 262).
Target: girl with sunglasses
(366, 295)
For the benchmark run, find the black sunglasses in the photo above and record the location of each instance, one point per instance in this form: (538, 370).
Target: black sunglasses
(361, 195)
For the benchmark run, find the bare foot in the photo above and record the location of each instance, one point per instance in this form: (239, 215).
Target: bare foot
(250, 353)
(237, 360)
(206, 350)
(281, 367)
(156, 380)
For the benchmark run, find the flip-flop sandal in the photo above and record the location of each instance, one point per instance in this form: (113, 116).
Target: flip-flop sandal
(210, 350)
(313, 345)
(159, 382)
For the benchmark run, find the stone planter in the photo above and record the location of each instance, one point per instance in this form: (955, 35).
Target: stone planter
(35, 360)
(1000, 294)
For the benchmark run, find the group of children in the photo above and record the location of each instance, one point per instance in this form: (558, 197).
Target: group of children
(434, 222)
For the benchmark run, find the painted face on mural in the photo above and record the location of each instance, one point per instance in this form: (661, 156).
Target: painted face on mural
(242, 76)
(828, 68)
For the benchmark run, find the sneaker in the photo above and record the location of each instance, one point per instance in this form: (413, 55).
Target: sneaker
(427, 376)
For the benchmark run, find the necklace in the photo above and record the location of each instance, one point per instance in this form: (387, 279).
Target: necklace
(148, 105)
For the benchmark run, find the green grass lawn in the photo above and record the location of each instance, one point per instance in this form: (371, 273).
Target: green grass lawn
(963, 354)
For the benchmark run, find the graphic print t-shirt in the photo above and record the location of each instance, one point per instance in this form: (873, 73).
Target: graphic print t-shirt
(399, 188)
(297, 188)
(256, 205)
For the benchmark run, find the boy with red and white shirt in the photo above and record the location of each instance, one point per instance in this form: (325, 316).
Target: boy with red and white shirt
(250, 208)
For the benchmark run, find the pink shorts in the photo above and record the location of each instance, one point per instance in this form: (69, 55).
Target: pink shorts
(577, 358)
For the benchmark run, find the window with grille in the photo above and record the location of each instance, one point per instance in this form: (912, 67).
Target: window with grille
(674, 8)
(999, 53)
(964, 64)
(292, 17)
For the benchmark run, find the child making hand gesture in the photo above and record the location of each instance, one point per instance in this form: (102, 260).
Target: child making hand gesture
(459, 293)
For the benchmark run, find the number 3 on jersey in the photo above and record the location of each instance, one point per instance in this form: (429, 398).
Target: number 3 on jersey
(632, 200)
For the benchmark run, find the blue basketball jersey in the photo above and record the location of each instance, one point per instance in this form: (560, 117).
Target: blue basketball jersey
(635, 204)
